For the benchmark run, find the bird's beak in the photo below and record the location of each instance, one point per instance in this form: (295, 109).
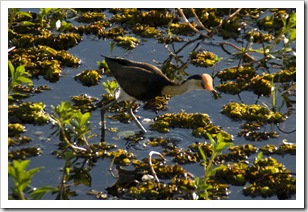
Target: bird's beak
(216, 95)
(208, 84)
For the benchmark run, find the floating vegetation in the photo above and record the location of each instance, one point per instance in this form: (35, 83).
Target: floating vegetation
(25, 153)
(51, 70)
(257, 136)
(259, 37)
(146, 31)
(17, 141)
(56, 41)
(27, 89)
(133, 16)
(234, 174)
(88, 77)
(120, 156)
(182, 28)
(43, 60)
(267, 177)
(126, 41)
(285, 148)
(83, 102)
(16, 129)
(90, 17)
(252, 112)
(245, 79)
(200, 123)
(28, 113)
(243, 71)
(241, 74)
(158, 103)
(204, 58)
(39, 48)
(210, 18)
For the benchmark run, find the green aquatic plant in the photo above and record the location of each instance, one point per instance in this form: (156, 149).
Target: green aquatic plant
(50, 16)
(201, 183)
(15, 14)
(72, 125)
(22, 179)
(110, 87)
(18, 76)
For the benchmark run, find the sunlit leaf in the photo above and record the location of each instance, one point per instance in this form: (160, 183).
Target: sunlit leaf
(27, 23)
(292, 34)
(38, 193)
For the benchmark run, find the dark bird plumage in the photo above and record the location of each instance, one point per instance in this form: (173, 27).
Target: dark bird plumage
(143, 82)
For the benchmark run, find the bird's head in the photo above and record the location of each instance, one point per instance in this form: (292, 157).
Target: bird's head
(203, 81)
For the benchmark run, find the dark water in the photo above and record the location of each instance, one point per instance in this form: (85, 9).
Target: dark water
(89, 51)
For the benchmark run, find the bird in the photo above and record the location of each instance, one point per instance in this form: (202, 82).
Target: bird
(140, 81)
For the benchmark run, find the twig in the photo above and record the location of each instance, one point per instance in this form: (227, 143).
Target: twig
(151, 165)
(191, 26)
(198, 20)
(233, 14)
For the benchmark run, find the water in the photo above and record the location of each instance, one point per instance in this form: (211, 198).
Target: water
(89, 51)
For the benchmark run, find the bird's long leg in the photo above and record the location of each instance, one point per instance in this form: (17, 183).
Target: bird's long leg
(103, 118)
(130, 111)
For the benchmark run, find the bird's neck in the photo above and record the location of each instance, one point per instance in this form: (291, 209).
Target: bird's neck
(179, 89)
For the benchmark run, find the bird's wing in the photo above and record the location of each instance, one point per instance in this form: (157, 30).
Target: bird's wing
(141, 83)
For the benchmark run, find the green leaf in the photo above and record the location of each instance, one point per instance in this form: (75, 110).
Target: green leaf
(213, 171)
(12, 69)
(211, 139)
(221, 146)
(292, 21)
(21, 166)
(24, 183)
(27, 23)
(35, 170)
(292, 34)
(38, 193)
(202, 153)
(260, 155)
(84, 118)
(27, 14)
(22, 79)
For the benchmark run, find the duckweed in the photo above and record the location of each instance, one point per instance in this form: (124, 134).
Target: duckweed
(83, 102)
(234, 174)
(15, 129)
(20, 140)
(182, 28)
(90, 17)
(252, 112)
(29, 113)
(88, 77)
(243, 71)
(126, 41)
(285, 148)
(146, 31)
(204, 58)
(267, 177)
(200, 123)
(25, 153)
(259, 37)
